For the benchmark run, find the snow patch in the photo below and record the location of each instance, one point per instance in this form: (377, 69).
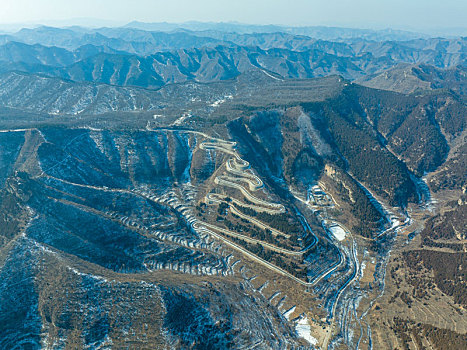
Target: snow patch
(272, 76)
(76, 272)
(221, 101)
(303, 329)
(14, 130)
(180, 120)
(289, 312)
(338, 232)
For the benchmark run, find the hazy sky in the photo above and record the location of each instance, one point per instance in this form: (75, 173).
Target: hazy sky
(405, 14)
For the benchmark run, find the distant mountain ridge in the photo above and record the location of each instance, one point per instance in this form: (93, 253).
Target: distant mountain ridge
(410, 78)
(157, 38)
(318, 32)
(179, 57)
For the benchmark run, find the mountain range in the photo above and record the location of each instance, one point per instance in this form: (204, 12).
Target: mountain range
(130, 57)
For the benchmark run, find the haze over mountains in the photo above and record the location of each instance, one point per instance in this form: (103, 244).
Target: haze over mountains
(133, 57)
(221, 186)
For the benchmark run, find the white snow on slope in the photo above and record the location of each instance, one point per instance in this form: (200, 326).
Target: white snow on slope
(303, 329)
(338, 232)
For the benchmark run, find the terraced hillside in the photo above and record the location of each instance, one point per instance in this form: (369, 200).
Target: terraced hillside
(113, 212)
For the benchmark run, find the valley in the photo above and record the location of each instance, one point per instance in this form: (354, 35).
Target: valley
(224, 246)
